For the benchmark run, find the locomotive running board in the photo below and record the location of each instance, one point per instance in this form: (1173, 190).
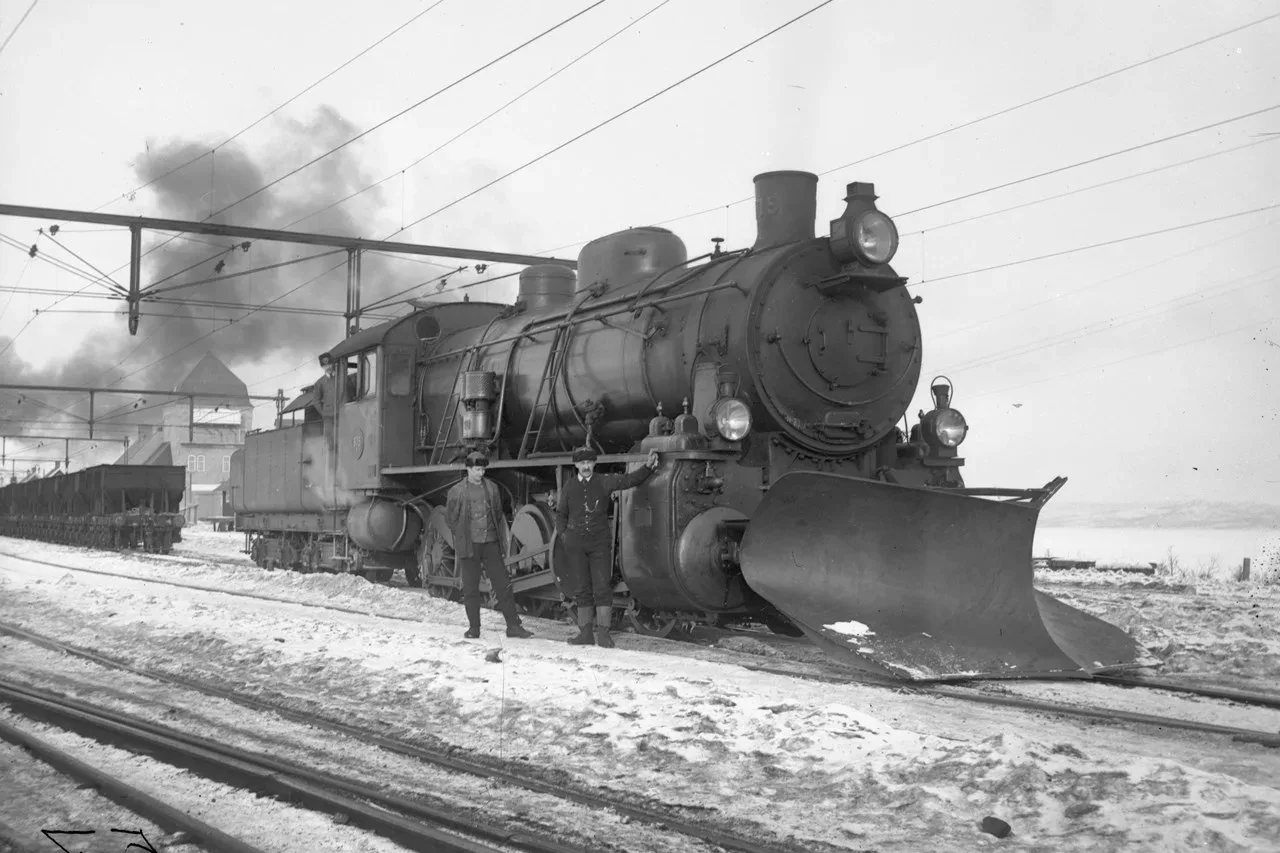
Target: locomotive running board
(920, 584)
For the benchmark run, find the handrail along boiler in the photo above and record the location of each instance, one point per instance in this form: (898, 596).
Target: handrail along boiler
(772, 379)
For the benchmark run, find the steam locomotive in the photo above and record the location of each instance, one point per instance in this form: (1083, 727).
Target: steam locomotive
(771, 380)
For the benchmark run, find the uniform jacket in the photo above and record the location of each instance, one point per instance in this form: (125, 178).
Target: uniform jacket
(583, 508)
(458, 515)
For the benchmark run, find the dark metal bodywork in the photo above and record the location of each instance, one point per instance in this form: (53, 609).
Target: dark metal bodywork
(823, 513)
(106, 506)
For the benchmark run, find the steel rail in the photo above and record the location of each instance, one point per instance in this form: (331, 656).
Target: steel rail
(120, 792)
(290, 782)
(449, 761)
(1267, 739)
(1244, 697)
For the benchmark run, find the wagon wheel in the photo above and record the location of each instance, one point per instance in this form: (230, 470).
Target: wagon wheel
(436, 561)
(650, 623)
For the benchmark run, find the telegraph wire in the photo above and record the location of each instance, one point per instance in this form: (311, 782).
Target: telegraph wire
(1058, 92)
(1111, 182)
(1089, 161)
(1249, 325)
(1099, 245)
(52, 261)
(408, 109)
(16, 26)
(254, 124)
(473, 126)
(114, 285)
(614, 118)
(375, 127)
(13, 289)
(1199, 248)
(980, 119)
(392, 118)
(1119, 321)
(250, 313)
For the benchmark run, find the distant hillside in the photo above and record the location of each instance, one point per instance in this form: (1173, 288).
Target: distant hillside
(1214, 515)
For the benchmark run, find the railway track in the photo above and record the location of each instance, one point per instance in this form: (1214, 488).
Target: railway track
(287, 780)
(409, 823)
(989, 693)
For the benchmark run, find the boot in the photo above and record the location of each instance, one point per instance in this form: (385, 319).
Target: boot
(586, 618)
(472, 606)
(514, 628)
(604, 615)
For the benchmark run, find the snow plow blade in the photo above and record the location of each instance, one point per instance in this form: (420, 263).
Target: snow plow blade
(921, 584)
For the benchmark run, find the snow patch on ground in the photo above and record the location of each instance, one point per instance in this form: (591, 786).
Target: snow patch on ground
(836, 766)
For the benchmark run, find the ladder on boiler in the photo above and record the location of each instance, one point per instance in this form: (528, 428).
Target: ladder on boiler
(451, 406)
(540, 407)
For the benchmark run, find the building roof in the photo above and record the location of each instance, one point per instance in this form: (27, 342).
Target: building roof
(211, 377)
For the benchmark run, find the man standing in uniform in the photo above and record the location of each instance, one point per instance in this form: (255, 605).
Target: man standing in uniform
(474, 513)
(582, 518)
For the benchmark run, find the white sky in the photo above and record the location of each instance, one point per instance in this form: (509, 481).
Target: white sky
(1144, 371)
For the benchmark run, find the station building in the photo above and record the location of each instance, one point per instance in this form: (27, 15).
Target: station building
(200, 434)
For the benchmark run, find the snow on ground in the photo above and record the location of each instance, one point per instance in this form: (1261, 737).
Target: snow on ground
(834, 766)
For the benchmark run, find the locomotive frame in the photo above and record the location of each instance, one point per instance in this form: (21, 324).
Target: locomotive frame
(528, 382)
(787, 493)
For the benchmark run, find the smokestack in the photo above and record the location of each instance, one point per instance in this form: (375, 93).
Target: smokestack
(786, 204)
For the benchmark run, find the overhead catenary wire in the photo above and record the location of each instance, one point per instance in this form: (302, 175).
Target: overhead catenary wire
(1073, 87)
(410, 108)
(48, 259)
(481, 121)
(240, 319)
(1250, 325)
(113, 285)
(617, 116)
(1200, 247)
(980, 119)
(272, 112)
(1090, 160)
(1113, 242)
(1119, 321)
(1123, 178)
(392, 118)
(18, 25)
(14, 288)
(1024, 261)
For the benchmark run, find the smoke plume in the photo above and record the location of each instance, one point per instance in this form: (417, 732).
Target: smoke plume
(167, 347)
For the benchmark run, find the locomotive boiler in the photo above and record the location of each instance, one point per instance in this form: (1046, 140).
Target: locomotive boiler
(771, 379)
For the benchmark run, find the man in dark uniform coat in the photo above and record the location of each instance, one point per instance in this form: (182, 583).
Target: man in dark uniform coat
(582, 519)
(474, 513)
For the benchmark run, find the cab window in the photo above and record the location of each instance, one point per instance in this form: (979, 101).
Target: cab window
(399, 372)
(368, 383)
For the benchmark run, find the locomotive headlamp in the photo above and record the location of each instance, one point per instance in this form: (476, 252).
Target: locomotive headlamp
(876, 236)
(950, 427)
(944, 426)
(863, 235)
(732, 418)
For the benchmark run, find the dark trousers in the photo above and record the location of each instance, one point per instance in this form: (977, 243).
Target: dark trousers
(590, 568)
(486, 556)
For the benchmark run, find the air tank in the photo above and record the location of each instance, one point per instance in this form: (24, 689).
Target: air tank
(383, 525)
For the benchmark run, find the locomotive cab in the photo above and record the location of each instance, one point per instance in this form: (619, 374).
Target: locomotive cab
(370, 378)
